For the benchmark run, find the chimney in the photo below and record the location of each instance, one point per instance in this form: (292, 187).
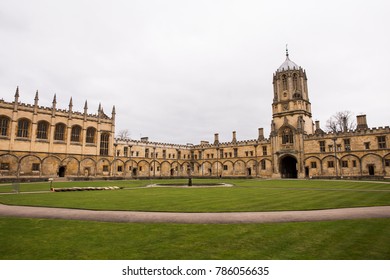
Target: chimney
(261, 134)
(317, 125)
(216, 139)
(318, 129)
(361, 122)
(234, 140)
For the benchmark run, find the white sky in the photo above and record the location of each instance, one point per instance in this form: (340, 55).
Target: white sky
(179, 71)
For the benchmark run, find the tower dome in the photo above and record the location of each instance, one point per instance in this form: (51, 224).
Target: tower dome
(288, 64)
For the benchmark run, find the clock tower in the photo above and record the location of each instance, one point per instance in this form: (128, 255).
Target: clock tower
(291, 119)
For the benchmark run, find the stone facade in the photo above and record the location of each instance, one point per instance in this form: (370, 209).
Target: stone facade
(48, 142)
(38, 142)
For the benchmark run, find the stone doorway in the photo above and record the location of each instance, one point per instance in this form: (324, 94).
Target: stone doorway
(371, 169)
(288, 167)
(61, 171)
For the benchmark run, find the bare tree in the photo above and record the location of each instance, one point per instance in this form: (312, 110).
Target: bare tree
(341, 122)
(123, 134)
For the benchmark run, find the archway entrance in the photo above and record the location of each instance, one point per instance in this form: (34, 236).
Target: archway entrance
(61, 171)
(288, 167)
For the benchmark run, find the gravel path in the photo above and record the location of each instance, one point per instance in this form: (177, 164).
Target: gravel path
(196, 218)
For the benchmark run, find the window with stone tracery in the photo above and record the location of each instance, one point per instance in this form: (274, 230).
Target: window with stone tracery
(284, 82)
(287, 136)
(295, 82)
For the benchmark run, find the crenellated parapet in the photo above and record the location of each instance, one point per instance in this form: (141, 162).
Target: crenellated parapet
(36, 109)
(350, 133)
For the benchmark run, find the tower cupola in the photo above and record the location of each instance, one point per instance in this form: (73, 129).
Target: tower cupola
(291, 98)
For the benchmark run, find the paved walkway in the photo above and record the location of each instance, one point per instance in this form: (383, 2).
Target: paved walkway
(196, 218)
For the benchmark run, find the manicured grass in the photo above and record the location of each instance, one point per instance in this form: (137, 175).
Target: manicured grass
(63, 239)
(246, 195)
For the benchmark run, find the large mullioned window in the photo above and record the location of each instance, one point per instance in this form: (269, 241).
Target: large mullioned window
(23, 128)
(4, 122)
(42, 130)
(75, 134)
(104, 142)
(59, 132)
(90, 135)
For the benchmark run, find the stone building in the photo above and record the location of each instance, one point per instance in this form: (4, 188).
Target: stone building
(37, 142)
(47, 142)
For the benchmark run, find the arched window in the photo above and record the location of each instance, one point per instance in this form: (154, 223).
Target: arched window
(4, 122)
(287, 136)
(284, 82)
(104, 141)
(295, 82)
(59, 132)
(75, 134)
(91, 131)
(42, 130)
(23, 128)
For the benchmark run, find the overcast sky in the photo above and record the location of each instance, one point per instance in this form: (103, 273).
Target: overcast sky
(179, 71)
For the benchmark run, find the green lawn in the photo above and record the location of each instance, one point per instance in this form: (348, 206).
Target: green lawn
(56, 239)
(246, 195)
(63, 239)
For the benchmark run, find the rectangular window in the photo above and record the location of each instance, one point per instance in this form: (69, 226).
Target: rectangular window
(225, 167)
(367, 145)
(200, 155)
(387, 162)
(178, 155)
(120, 168)
(105, 168)
(118, 153)
(125, 151)
(264, 150)
(330, 148)
(263, 165)
(382, 142)
(339, 147)
(235, 151)
(140, 168)
(104, 141)
(35, 166)
(164, 154)
(246, 153)
(322, 146)
(330, 164)
(4, 166)
(251, 153)
(313, 164)
(344, 163)
(146, 153)
(354, 163)
(347, 145)
(221, 153)
(137, 154)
